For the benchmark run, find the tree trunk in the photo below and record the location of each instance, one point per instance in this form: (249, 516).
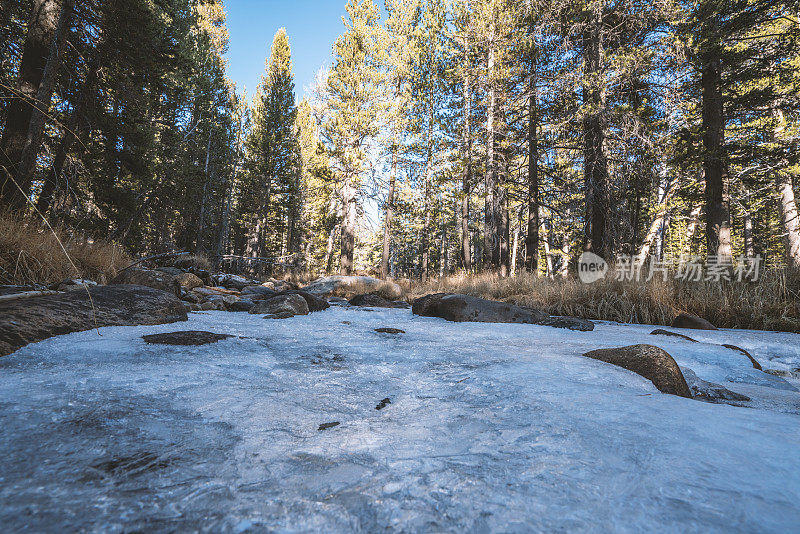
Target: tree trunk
(504, 226)
(655, 234)
(789, 219)
(595, 162)
(691, 229)
(25, 119)
(565, 258)
(491, 249)
(788, 204)
(514, 247)
(547, 254)
(201, 220)
(222, 238)
(426, 207)
(443, 245)
(328, 261)
(467, 178)
(748, 234)
(532, 236)
(388, 211)
(718, 232)
(348, 227)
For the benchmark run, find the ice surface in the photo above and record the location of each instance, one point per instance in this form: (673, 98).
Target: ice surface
(490, 428)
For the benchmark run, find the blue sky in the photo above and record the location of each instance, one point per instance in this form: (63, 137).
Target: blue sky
(312, 26)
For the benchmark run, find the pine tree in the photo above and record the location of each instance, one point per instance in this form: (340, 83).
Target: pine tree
(270, 203)
(353, 104)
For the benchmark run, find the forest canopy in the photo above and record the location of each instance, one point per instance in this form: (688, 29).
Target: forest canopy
(480, 135)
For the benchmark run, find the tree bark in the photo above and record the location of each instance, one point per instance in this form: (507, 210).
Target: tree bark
(504, 223)
(426, 206)
(348, 228)
(27, 111)
(490, 237)
(595, 162)
(655, 233)
(532, 235)
(201, 220)
(718, 232)
(789, 219)
(388, 213)
(467, 178)
(222, 237)
(691, 228)
(788, 204)
(547, 254)
(328, 261)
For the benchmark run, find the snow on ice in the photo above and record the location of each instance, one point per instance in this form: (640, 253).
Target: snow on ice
(490, 427)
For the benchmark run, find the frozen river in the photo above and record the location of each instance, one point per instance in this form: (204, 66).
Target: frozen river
(489, 428)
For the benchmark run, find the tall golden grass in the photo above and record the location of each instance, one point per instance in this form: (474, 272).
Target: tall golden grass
(772, 303)
(30, 254)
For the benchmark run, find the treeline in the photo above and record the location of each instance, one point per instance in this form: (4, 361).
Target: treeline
(474, 135)
(118, 119)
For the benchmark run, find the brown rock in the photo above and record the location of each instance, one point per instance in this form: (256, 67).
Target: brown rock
(373, 300)
(188, 280)
(464, 308)
(687, 320)
(281, 305)
(33, 319)
(662, 332)
(149, 278)
(649, 361)
(388, 330)
(313, 302)
(755, 363)
(461, 308)
(258, 292)
(426, 306)
(185, 337)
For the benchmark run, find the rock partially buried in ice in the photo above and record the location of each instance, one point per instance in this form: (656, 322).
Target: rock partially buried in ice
(34, 319)
(185, 337)
(326, 426)
(241, 305)
(282, 305)
(687, 320)
(710, 391)
(313, 302)
(387, 330)
(327, 285)
(755, 363)
(383, 403)
(373, 300)
(570, 323)
(649, 361)
(465, 308)
(784, 373)
(662, 332)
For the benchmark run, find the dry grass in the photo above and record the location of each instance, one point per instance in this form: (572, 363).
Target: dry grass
(773, 303)
(190, 261)
(30, 254)
(385, 290)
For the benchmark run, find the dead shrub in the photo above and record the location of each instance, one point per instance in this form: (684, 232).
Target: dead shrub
(30, 254)
(772, 303)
